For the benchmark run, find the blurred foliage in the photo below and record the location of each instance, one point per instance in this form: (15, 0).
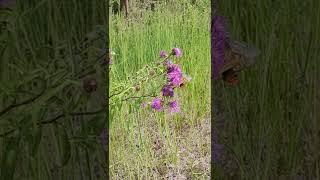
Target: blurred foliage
(49, 123)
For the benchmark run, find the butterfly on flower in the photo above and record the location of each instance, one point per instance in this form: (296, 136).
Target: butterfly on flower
(238, 56)
(185, 79)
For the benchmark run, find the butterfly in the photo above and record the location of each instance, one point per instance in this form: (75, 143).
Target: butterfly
(238, 56)
(185, 79)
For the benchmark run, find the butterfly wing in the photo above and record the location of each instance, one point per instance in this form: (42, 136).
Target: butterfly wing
(246, 53)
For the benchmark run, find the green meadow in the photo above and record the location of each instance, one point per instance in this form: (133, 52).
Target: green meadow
(145, 144)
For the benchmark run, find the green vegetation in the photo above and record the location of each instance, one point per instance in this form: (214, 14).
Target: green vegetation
(148, 144)
(273, 116)
(47, 49)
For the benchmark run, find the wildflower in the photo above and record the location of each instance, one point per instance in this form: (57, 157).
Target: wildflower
(157, 104)
(7, 4)
(174, 75)
(167, 90)
(175, 79)
(218, 44)
(218, 153)
(174, 107)
(174, 68)
(163, 54)
(177, 52)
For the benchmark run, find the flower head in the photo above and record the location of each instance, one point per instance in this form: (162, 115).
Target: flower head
(174, 107)
(177, 52)
(157, 104)
(174, 75)
(163, 54)
(167, 91)
(7, 4)
(174, 68)
(218, 44)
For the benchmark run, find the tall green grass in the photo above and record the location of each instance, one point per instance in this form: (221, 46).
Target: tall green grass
(274, 113)
(137, 42)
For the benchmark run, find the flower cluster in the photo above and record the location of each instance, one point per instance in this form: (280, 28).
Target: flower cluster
(218, 43)
(174, 79)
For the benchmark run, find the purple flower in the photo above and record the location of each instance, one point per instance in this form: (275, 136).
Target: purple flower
(177, 52)
(7, 4)
(218, 153)
(217, 150)
(156, 104)
(174, 75)
(218, 44)
(167, 90)
(174, 107)
(174, 68)
(163, 54)
(175, 79)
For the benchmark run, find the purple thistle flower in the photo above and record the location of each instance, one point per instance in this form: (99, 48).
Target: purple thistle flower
(175, 79)
(174, 75)
(218, 150)
(156, 104)
(174, 107)
(167, 90)
(7, 4)
(163, 54)
(177, 52)
(174, 68)
(218, 44)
